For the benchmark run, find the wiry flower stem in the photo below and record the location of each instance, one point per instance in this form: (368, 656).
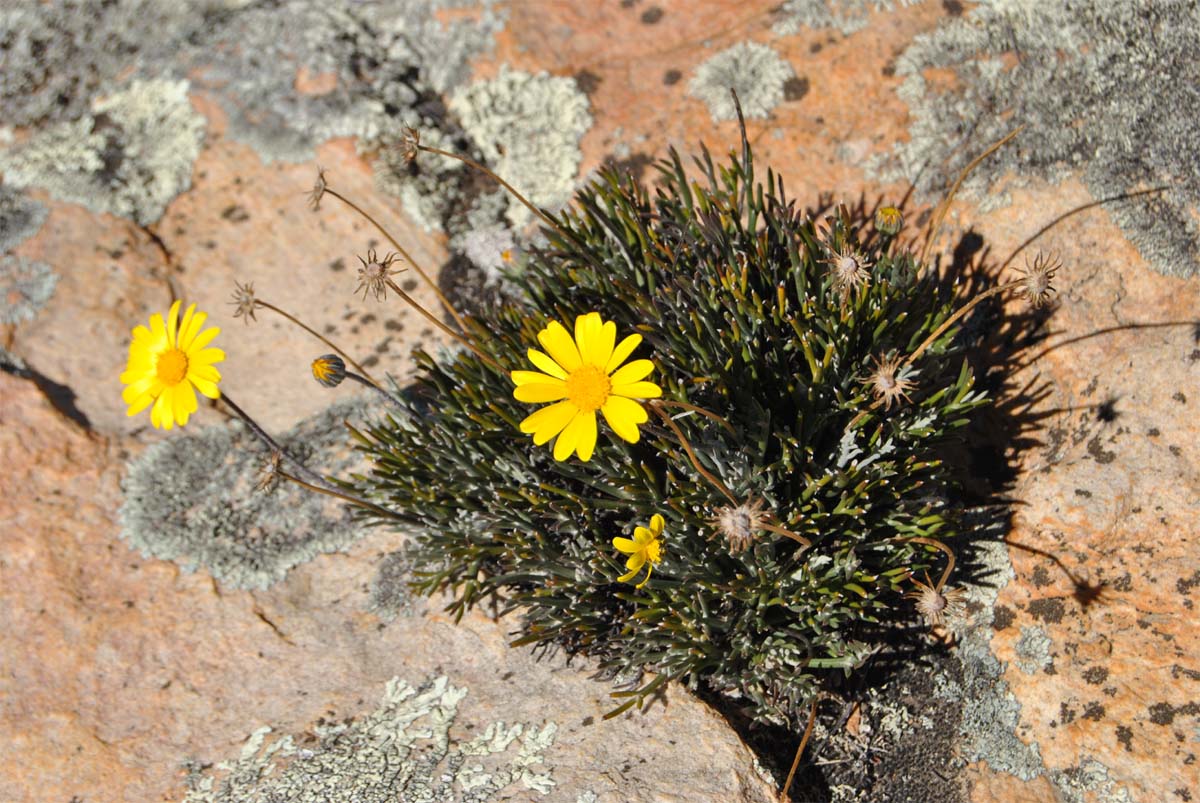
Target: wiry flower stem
(362, 380)
(946, 550)
(434, 320)
(329, 490)
(314, 333)
(549, 221)
(939, 215)
(687, 447)
(800, 539)
(728, 427)
(270, 442)
(812, 718)
(403, 253)
(958, 314)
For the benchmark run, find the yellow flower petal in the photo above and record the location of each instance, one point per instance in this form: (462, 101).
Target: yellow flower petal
(626, 545)
(547, 422)
(546, 363)
(190, 328)
(586, 442)
(624, 415)
(138, 404)
(657, 522)
(204, 338)
(637, 390)
(632, 372)
(536, 394)
(636, 561)
(642, 536)
(600, 346)
(206, 356)
(587, 327)
(625, 578)
(208, 388)
(572, 434)
(621, 352)
(559, 345)
(646, 579)
(533, 377)
(173, 324)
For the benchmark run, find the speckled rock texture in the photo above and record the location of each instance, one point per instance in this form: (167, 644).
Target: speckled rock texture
(152, 151)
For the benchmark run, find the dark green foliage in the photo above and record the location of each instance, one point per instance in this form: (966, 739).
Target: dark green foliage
(729, 284)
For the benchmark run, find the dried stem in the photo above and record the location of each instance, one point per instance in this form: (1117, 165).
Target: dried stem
(800, 539)
(403, 253)
(812, 718)
(314, 333)
(549, 221)
(687, 447)
(976, 301)
(939, 215)
(271, 443)
(329, 490)
(946, 550)
(701, 411)
(429, 316)
(362, 380)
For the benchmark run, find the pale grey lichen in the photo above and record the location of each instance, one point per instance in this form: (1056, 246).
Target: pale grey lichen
(846, 16)
(20, 218)
(1106, 91)
(1033, 649)
(404, 750)
(57, 56)
(528, 129)
(990, 712)
(756, 72)
(428, 189)
(191, 499)
(389, 594)
(129, 157)
(25, 287)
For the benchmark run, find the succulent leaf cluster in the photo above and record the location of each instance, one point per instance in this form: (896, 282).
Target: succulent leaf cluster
(738, 296)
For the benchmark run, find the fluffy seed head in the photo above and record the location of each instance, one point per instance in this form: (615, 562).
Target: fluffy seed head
(849, 269)
(244, 302)
(936, 605)
(739, 524)
(1036, 287)
(887, 382)
(318, 191)
(374, 274)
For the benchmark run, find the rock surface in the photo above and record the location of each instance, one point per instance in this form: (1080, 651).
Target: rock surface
(1077, 669)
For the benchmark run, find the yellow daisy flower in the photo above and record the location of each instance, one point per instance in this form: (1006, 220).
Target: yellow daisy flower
(583, 375)
(644, 549)
(168, 363)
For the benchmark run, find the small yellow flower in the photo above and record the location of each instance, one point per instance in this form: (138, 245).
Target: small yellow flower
(889, 220)
(582, 376)
(329, 370)
(644, 549)
(168, 363)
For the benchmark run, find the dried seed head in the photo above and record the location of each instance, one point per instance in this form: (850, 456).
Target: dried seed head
(318, 191)
(888, 382)
(739, 524)
(410, 144)
(244, 302)
(888, 220)
(268, 475)
(374, 274)
(849, 270)
(1036, 287)
(329, 370)
(936, 605)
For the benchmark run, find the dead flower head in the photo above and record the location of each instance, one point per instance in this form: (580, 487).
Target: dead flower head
(936, 605)
(888, 382)
(318, 191)
(244, 301)
(375, 273)
(410, 144)
(268, 475)
(849, 269)
(1036, 287)
(739, 524)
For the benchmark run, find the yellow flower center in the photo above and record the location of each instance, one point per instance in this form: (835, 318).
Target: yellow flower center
(588, 388)
(171, 367)
(654, 551)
